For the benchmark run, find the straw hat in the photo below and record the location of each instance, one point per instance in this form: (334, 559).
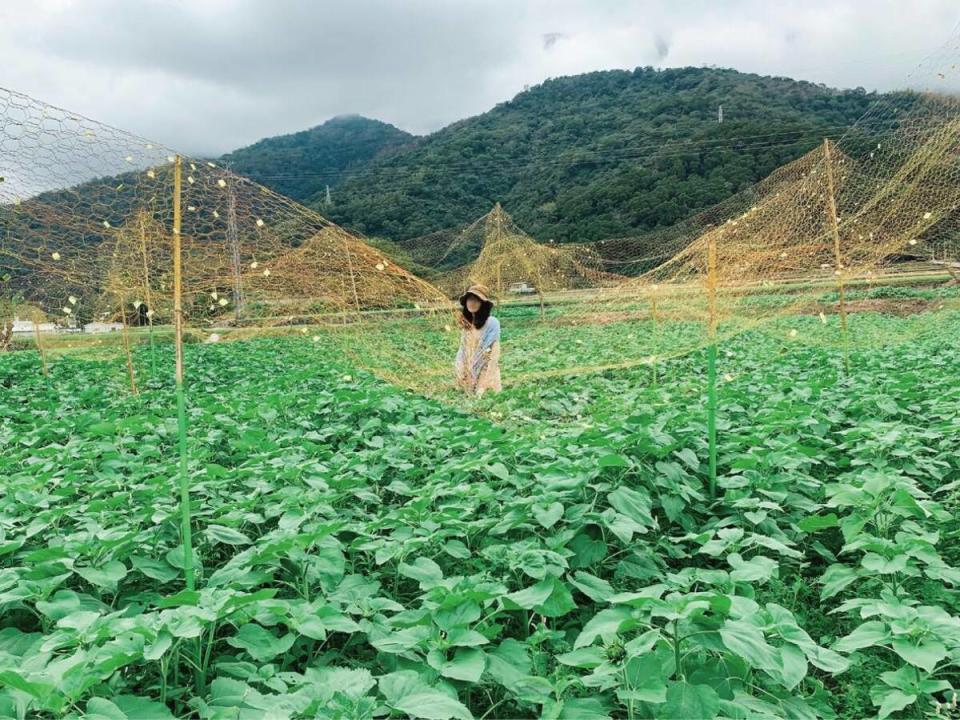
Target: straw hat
(478, 291)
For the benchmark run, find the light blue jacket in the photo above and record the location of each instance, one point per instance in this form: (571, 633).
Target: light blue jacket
(491, 334)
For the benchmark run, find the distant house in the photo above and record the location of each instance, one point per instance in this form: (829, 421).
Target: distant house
(102, 327)
(521, 288)
(27, 326)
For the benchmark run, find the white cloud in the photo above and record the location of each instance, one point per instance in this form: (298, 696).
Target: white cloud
(207, 76)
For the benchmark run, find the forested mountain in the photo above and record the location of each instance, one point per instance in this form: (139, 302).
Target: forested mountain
(586, 157)
(301, 165)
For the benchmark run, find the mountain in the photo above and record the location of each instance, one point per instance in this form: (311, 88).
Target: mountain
(302, 164)
(594, 156)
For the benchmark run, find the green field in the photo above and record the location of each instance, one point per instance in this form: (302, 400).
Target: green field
(553, 551)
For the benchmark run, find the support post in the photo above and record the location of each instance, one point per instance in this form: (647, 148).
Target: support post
(656, 329)
(712, 361)
(653, 308)
(353, 280)
(838, 258)
(146, 291)
(233, 238)
(43, 357)
(178, 376)
(125, 331)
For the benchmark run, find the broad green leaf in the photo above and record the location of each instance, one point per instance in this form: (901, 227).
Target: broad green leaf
(689, 702)
(456, 549)
(467, 664)
(588, 657)
(499, 470)
(835, 579)
(424, 570)
(154, 569)
(549, 597)
(612, 460)
(508, 662)
(631, 503)
(533, 689)
(401, 640)
(747, 641)
(924, 655)
(589, 708)
(102, 709)
(405, 692)
(605, 624)
(755, 570)
(139, 708)
(875, 563)
(595, 588)
(226, 535)
(547, 515)
(864, 635)
(65, 602)
(890, 700)
(793, 665)
(644, 680)
(260, 643)
(106, 576)
(813, 523)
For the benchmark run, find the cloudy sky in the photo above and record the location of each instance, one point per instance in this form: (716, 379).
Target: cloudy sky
(207, 76)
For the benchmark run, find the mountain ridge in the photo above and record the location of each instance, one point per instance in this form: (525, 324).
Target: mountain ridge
(576, 158)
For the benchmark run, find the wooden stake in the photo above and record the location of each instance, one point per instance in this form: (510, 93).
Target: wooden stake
(126, 346)
(234, 240)
(712, 362)
(838, 258)
(353, 281)
(178, 376)
(146, 290)
(177, 269)
(43, 357)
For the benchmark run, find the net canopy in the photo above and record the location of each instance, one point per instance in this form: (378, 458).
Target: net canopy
(89, 216)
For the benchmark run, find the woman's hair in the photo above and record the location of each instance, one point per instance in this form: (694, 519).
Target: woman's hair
(480, 317)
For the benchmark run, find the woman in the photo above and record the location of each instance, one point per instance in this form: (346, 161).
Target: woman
(478, 361)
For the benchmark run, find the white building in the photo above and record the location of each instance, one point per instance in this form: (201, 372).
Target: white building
(27, 326)
(102, 327)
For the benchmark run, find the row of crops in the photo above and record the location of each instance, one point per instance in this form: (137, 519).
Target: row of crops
(365, 552)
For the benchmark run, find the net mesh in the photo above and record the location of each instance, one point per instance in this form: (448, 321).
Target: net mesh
(87, 216)
(88, 213)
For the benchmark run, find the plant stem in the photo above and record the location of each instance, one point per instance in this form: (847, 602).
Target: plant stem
(676, 649)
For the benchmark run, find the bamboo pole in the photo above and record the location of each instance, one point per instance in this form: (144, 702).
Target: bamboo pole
(178, 375)
(353, 280)
(712, 362)
(233, 237)
(838, 258)
(656, 329)
(43, 357)
(125, 332)
(146, 291)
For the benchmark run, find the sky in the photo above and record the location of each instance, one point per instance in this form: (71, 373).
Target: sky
(208, 76)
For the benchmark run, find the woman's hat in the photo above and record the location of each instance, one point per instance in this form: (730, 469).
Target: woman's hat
(479, 291)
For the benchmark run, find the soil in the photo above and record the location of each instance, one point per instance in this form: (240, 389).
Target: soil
(901, 307)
